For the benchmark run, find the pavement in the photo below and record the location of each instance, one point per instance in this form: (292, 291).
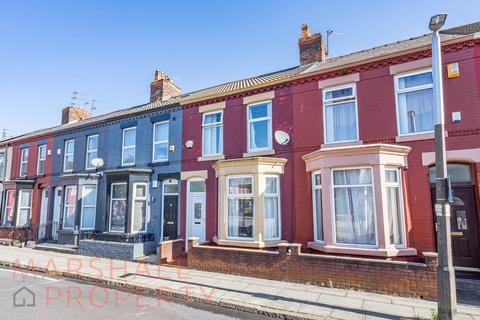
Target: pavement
(228, 292)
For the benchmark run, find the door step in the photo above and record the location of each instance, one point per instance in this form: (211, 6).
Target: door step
(55, 247)
(468, 291)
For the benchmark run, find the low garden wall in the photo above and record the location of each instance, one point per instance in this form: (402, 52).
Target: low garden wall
(411, 279)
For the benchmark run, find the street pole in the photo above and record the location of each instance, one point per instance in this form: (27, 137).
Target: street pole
(447, 297)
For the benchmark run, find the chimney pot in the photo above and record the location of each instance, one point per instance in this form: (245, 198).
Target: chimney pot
(312, 48)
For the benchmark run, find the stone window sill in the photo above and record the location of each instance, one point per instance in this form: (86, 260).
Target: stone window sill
(259, 153)
(376, 252)
(211, 158)
(415, 137)
(341, 144)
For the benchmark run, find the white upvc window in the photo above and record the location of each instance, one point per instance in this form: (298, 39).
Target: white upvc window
(69, 207)
(259, 131)
(8, 215)
(340, 116)
(69, 153)
(414, 97)
(354, 207)
(271, 201)
(129, 136)
(393, 184)
(140, 210)
(92, 151)
(118, 207)
(41, 159)
(317, 206)
(24, 208)
(89, 207)
(160, 141)
(240, 201)
(212, 133)
(23, 162)
(3, 160)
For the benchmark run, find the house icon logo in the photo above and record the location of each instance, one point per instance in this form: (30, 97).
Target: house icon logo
(24, 297)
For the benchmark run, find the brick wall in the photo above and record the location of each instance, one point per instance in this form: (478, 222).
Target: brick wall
(401, 278)
(169, 250)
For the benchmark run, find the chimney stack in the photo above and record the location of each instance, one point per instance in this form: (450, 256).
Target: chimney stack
(162, 87)
(73, 114)
(311, 46)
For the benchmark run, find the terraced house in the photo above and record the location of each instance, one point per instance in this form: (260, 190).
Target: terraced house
(336, 154)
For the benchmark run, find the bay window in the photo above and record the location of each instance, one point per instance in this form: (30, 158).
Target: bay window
(24, 207)
(42, 159)
(272, 208)
(240, 207)
(212, 133)
(317, 206)
(69, 207)
(395, 208)
(259, 127)
(92, 151)
(340, 114)
(414, 92)
(118, 206)
(23, 162)
(354, 207)
(139, 220)
(160, 141)
(89, 207)
(8, 210)
(129, 146)
(68, 155)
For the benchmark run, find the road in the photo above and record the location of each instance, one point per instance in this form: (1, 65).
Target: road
(58, 299)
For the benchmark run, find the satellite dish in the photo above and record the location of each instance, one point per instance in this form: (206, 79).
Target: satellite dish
(97, 162)
(282, 137)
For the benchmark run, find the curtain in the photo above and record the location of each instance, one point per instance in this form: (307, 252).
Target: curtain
(271, 217)
(341, 122)
(212, 137)
(416, 111)
(394, 218)
(319, 214)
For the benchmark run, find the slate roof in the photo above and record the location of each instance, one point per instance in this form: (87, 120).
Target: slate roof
(278, 76)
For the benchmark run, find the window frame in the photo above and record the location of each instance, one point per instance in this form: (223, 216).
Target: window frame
(399, 185)
(19, 207)
(68, 154)
(399, 91)
(5, 207)
(270, 126)
(154, 143)
(64, 206)
(332, 199)
(24, 162)
(111, 207)
(209, 126)
(134, 146)
(88, 206)
(326, 103)
(279, 204)
(3, 154)
(89, 166)
(314, 207)
(135, 198)
(40, 147)
(240, 196)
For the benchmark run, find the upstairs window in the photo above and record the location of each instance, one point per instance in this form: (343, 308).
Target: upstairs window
(415, 102)
(340, 114)
(68, 155)
(92, 151)
(160, 141)
(3, 160)
(212, 130)
(260, 127)
(42, 159)
(23, 162)
(128, 146)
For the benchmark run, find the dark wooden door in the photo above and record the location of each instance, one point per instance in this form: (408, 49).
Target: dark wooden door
(170, 217)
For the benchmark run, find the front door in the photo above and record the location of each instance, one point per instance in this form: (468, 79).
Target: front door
(170, 217)
(42, 229)
(464, 228)
(57, 209)
(197, 216)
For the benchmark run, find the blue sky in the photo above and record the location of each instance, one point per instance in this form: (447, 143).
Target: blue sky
(108, 50)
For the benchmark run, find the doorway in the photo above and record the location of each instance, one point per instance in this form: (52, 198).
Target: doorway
(170, 209)
(42, 228)
(196, 213)
(57, 209)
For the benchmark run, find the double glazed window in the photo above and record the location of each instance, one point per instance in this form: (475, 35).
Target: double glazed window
(212, 131)
(42, 159)
(415, 102)
(128, 146)
(3, 160)
(272, 208)
(118, 206)
(92, 151)
(340, 114)
(260, 126)
(240, 207)
(68, 155)
(24, 207)
(160, 141)
(394, 202)
(317, 205)
(354, 207)
(8, 210)
(69, 207)
(89, 207)
(139, 221)
(23, 162)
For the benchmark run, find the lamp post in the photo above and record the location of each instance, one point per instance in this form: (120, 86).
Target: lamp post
(447, 297)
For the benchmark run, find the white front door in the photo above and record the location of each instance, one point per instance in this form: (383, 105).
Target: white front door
(42, 229)
(196, 200)
(57, 209)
